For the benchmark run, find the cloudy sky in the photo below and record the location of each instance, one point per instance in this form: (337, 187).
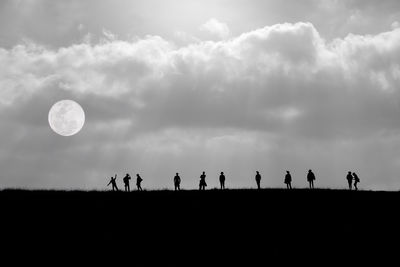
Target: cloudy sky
(189, 86)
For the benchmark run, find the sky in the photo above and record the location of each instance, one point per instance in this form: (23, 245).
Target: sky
(188, 86)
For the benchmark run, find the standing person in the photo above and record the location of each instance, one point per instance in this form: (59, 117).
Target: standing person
(202, 184)
(126, 182)
(349, 179)
(177, 182)
(113, 183)
(356, 180)
(258, 179)
(311, 178)
(222, 180)
(288, 180)
(138, 182)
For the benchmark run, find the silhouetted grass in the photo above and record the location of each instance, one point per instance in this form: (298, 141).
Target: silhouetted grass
(198, 220)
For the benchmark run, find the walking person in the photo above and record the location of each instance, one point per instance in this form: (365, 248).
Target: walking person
(126, 182)
(288, 180)
(349, 179)
(177, 182)
(113, 183)
(311, 179)
(356, 180)
(202, 184)
(222, 180)
(258, 179)
(138, 182)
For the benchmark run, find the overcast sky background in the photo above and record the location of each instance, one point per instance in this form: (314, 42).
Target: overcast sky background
(189, 86)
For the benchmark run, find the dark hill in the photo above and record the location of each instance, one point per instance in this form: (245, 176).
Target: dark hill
(240, 222)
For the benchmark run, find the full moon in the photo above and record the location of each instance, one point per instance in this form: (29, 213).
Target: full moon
(66, 117)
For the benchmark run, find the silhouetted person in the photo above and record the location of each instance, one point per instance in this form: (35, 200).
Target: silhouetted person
(222, 180)
(113, 183)
(138, 182)
(126, 182)
(310, 179)
(356, 180)
(349, 179)
(177, 182)
(288, 180)
(258, 179)
(202, 184)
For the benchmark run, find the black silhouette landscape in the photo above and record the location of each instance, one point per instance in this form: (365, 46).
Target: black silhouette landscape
(272, 221)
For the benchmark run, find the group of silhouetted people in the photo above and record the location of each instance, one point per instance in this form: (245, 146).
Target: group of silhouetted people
(113, 182)
(352, 180)
(352, 177)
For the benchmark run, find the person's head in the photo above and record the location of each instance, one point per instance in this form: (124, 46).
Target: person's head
(222, 173)
(177, 174)
(287, 172)
(354, 173)
(137, 175)
(204, 172)
(349, 172)
(309, 171)
(257, 172)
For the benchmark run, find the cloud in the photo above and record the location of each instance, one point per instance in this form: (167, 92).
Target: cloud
(217, 28)
(276, 98)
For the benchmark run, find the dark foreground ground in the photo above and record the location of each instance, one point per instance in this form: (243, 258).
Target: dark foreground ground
(229, 224)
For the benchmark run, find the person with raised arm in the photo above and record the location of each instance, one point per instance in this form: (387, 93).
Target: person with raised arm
(113, 183)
